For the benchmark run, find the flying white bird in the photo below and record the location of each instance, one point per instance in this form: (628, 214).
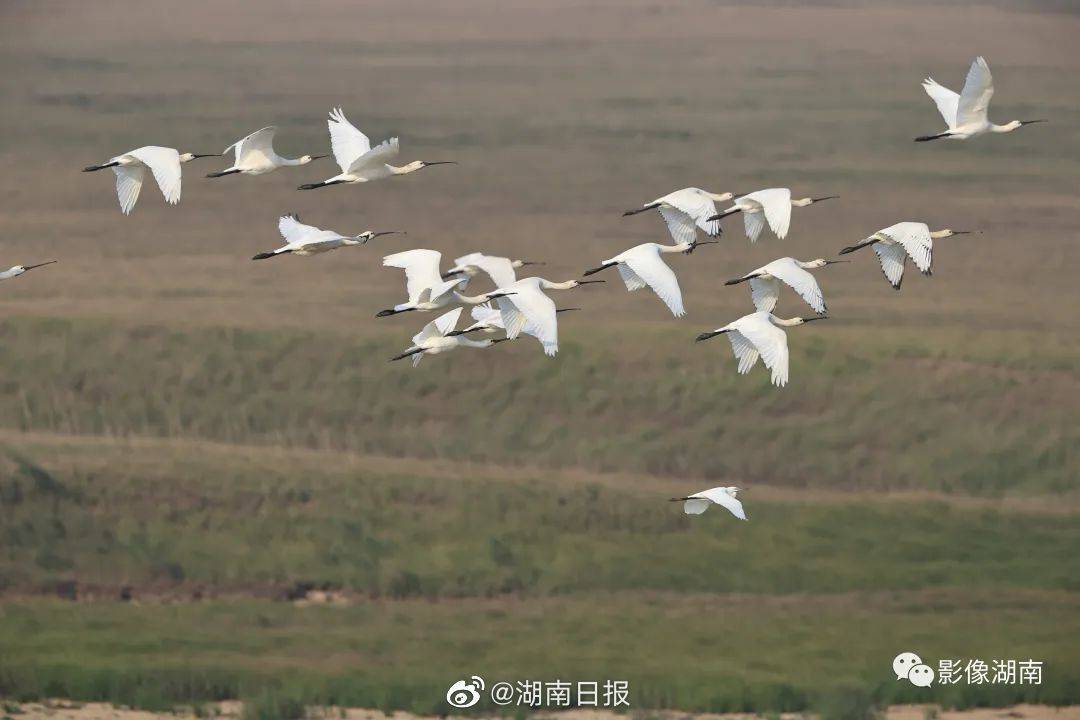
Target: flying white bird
(772, 205)
(499, 269)
(435, 339)
(966, 113)
(488, 319)
(524, 304)
(686, 210)
(759, 335)
(425, 285)
(130, 168)
(255, 155)
(895, 243)
(18, 270)
(724, 496)
(765, 282)
(303, 239)
(643, 265)
(360, 162)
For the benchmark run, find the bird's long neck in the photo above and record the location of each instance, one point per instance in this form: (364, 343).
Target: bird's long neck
(676, 248)
(548, 285)
(405, 169)
(470, 299)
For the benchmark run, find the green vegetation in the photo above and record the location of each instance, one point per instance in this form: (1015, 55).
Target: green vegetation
(860, 418)
(447, 573)
(693, 652)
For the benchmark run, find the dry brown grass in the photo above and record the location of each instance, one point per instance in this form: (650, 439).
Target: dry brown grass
(561, 115)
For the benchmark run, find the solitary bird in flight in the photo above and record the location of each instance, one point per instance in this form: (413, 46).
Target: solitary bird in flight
(305, 240)
(772, 205)
(255, 155)
(699, 502)
(966, 113)
(360, 162)
(130, 169)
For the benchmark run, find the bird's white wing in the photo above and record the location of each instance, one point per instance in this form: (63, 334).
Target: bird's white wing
(916, 240)
(376, 157)
(777, 204)
(697, 207)
(695, 506)
(438, 327)
(720, 496)
(129, 180)
(892, 257)
(770, 341)
(975, 97)
(488, 315)
(633, 282)
(679, 224)
(764, 292)
(346, 141)
(945, 99)
(260, 142)
(499, 269)
(539, 312)
(165, 164)
(754, 222)
(292, 229)
(800, 281)
(513, 320)
(650, 267)
(744, 350)
(421, 270)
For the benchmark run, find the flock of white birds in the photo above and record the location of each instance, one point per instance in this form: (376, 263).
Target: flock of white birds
(516, 306)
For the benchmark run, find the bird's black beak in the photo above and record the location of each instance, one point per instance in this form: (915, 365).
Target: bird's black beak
(827, 197)
(707, 335)
(440, 162)
(388, 232)
(1032, 122)
(47, 262)
(694, 245)
(404, 355)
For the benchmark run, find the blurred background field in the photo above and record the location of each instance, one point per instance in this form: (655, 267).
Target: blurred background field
(212, 483)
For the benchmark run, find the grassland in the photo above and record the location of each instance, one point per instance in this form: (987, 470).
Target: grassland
(209, 437)
(885, 409)
(490, 571)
